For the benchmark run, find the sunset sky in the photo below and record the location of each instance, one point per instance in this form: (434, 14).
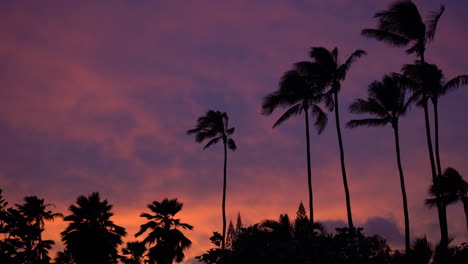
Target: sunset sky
(97, 96)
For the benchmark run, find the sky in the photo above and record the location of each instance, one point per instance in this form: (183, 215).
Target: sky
(96, 96)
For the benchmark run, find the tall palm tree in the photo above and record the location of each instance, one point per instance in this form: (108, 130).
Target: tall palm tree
(214, 126)
(334, 73)
(451, 188)
(91, 237)
(300, 89)
(402, 25)
(433, 85)
(387, 102)
(170, 242)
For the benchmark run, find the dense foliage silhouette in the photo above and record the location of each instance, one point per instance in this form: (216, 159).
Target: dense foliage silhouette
(91, 236)
(22, 229)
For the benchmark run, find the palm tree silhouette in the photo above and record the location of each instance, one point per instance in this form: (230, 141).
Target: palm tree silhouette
(433, 85)
(387, 102)
(170, 241)
(300, 89)
(214, 126)
(334, 73)
(451, 188)
(35, 213)
(402, 25)
(91, 237)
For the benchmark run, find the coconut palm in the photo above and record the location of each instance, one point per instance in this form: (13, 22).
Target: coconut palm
(214, 126)
(451, 188)
(334, 73)
(170, 242)
(35, 213)
(433, 85)
(300, 89)
(91, 237)
(402, 25)
(387, 102)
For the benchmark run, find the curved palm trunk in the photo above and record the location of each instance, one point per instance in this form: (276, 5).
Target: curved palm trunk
(343, 168)
(436, 135)
(224, 197)
(403, 190)
(311, 209)
(441, 210)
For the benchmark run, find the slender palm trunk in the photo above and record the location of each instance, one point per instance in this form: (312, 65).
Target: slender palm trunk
(311, 207)
(440, 207)
(403, 189)
(343, 168)
(224, 197)
(436, 139)
(465, 206)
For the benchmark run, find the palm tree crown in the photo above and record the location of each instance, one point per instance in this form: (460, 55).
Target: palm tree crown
(402, 25)
(91, 237)
(300, 89)
(430, 80)
(36, 211)
(213, 126)
(170, 241)
(386, 102)
(331, 71)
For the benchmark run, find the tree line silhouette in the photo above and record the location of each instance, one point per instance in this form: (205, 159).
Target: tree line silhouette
(91, 236)
(310, 87)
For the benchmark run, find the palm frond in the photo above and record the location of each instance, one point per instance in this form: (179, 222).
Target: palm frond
(212, 142)
(231, 144)
(370, 106)
(321, 118)
(433, 21)
(328, 100)
(388, 38)
(370, 122)
(343, 69)
(402, 18)
(454, 84)
(294, 110)
(271, 102)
